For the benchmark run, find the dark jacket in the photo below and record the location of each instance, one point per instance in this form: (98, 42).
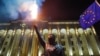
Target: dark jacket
(58, 51)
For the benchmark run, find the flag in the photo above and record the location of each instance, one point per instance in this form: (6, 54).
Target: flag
(90, 16)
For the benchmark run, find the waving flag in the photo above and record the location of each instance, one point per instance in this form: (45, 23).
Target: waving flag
(90, 16)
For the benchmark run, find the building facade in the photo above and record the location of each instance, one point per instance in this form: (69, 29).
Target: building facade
(20, 39)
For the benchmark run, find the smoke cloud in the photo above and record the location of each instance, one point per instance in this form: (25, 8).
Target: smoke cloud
(10, 9)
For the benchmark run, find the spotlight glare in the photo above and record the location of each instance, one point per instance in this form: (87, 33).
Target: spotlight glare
(31, 10)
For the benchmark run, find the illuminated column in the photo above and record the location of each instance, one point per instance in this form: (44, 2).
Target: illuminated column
(84, 44)
(68, 50)
(33, 43)
(36, 43)
(45, 34)
(75, 47)
(15, 44)
(6, 44)
(25, 43)
(2, 37)
(92, 41)
(54, 31)
(58, 36)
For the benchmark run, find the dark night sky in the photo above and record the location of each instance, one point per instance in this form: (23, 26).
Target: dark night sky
(64, 9)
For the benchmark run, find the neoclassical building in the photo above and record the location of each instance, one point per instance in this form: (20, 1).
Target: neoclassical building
(20, 39)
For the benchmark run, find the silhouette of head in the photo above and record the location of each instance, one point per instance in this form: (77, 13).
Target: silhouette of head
(51, 39)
